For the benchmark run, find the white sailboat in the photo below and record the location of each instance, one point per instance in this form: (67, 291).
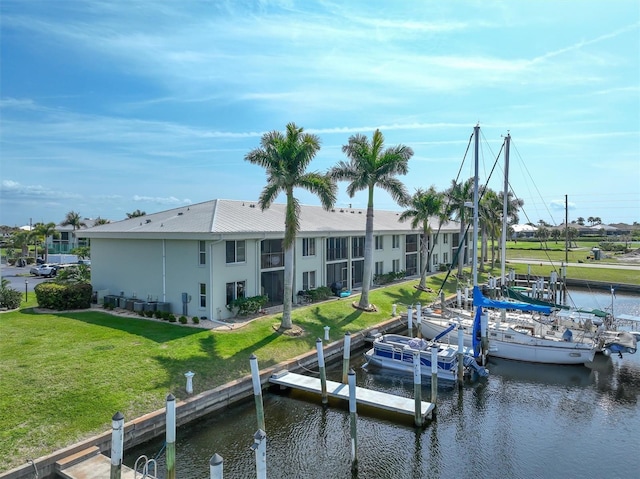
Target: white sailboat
(499, 337)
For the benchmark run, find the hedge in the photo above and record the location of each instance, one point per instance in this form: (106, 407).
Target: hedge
(64, 296)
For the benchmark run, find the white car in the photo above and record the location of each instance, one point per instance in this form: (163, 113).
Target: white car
(46, 270)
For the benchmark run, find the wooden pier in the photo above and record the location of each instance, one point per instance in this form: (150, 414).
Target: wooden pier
(89, 464)
(365, 397)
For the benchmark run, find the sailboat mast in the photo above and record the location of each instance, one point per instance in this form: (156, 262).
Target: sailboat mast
(474, 249)
(505, 204)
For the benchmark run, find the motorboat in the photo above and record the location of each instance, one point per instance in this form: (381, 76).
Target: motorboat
(395, 352)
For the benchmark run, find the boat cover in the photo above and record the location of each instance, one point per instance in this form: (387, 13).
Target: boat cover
(480, 300)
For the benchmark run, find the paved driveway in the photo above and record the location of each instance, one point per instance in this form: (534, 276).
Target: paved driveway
(18, 276)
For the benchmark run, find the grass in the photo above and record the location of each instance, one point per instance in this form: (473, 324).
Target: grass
(64, 375)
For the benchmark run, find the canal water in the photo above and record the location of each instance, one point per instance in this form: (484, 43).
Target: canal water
(523, 421)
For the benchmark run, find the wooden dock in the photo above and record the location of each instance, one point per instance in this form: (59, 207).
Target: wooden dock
(365, 397)
(90, 464)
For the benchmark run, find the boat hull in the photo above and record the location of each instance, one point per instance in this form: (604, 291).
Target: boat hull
(508, 343)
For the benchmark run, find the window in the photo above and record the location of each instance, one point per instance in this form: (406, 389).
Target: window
(395, 241)
(379, 242)
(271, 254)
(445, 238)
(235, 290)
(411, 243)
(357, 247)
(445, 258)
(396, 265)
(435, 260)
(235, 252)
(308, 280)
(336, 248)
(308, 246)
(202, 253)
(203, 293)
(379, 268)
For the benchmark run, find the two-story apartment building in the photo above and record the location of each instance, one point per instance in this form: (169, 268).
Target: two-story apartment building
(201, 257)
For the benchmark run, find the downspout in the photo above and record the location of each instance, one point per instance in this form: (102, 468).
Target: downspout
(164, 271)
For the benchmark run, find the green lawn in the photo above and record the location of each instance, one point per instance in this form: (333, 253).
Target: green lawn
(65, 375)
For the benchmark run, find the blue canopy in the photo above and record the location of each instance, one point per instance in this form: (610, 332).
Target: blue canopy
(480, 300)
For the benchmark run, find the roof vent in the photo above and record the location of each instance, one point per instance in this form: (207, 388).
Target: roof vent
(180, 213)
(147, 221)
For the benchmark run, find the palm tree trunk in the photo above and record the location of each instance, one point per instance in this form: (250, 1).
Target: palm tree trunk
(424, 260)
(288, 289)
(461, 245)
(368, 256)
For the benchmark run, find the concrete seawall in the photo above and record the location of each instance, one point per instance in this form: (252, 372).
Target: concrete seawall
(152, 425)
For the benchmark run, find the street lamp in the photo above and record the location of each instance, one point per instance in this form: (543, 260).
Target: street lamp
(26, 290)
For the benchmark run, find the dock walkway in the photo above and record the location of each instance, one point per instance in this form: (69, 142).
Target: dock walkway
(90, 464)
(364, 396)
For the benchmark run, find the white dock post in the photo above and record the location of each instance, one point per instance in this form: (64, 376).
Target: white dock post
(326, 333)
(466, 297)
(216, 466)
(117, 444)
(434, 374)
(394, 309)
(345, 357)
(257, 391)
(419, 320)
(323, 372)
(459, 297)
(170, 454)
(353, 416)
(417, 388)
(189, 375)
(259, 446)
(460, 355)
(410, 320)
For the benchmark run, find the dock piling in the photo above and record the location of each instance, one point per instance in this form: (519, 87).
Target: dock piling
(434, 375)
(170, 453)
(259, 446)
(345, 357)
(117, 445)
(216, 466)
(353, 417)
(323, 372)
(257, 391)
(417, 388)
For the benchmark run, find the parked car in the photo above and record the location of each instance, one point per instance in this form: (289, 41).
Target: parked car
(46, 270)
(86, 262)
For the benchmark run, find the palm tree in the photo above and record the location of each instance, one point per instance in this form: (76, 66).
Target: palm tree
(490, 216)
(136, 214)
(101, 221)
(371, 165)
(74, 220)
(459, 194)
(422, 206)
(43, 231)
(285, 157)
(21, 240)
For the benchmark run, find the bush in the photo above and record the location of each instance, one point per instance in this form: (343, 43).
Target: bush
(171, 318)
(183, 319)
(195, 320)
(388, 277)
(245, 306)
(148, 314)
(9, 298)
(319, 294)
(157, 314)
(64, 296)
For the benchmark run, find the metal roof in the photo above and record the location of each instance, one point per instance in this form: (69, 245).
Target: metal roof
(229, 217)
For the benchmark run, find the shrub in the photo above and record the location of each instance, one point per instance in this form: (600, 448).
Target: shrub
(388, 277)
(319, 294)
(148, 314)
(245, 306)
(9, 298)
(157, 314)
(183, 319)
(171, 318)
(195, 320)
(64, 296)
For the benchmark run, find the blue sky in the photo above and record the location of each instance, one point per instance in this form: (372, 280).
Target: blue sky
(112, 106)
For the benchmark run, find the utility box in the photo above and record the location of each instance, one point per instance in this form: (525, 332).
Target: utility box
(596, 253)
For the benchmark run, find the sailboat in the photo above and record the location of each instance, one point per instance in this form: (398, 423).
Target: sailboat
(516, 340)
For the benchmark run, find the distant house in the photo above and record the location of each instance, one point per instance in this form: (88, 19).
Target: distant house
(202, 257)
(523, 231)
(67, 238)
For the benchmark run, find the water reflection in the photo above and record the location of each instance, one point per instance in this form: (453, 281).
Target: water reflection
(524, 421)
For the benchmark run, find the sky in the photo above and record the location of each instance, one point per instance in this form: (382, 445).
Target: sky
(107, 107)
